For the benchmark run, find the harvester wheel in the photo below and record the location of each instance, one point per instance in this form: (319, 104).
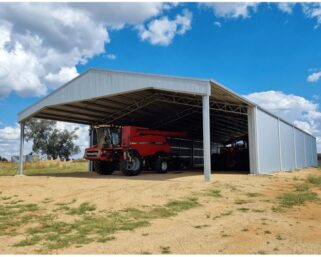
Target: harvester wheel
(161, 165)
(104, 168)
(131, 167)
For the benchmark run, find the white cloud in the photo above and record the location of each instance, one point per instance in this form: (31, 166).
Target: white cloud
(64, 74)
(301, 112)
(314, 77)
(217, 24)
(233, 10)
(41, 43)
(286, 7)
(10, 139)
(9, 142)
(163, 30)
(312, 11)
(111, 56)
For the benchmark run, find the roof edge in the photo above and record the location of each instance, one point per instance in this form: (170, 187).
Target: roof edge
(109, 70)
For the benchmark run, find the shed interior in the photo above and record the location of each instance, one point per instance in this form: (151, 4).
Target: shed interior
(166, 110)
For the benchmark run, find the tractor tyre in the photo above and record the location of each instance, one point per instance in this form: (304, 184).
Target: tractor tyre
(133, 167)
(103, 168)
(161, 165)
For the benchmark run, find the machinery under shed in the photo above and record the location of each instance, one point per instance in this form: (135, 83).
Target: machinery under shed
(228, 131)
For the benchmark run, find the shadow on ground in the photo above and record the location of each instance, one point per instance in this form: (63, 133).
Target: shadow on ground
(145, 175)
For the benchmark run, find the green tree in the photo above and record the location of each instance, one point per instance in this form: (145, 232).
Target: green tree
(2, 159)
(47, 139)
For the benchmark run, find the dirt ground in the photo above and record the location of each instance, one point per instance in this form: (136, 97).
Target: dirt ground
(241, 220)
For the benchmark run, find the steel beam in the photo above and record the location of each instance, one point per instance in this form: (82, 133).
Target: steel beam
(196, 102)
(137, 105)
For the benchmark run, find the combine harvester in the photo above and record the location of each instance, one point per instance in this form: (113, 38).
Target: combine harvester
(132, 149)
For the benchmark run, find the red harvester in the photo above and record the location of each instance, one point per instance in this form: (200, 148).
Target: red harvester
(131, 149)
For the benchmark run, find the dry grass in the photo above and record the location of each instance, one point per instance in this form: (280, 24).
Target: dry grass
(43, 167)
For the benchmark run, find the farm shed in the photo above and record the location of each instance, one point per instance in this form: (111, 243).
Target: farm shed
(206, 110)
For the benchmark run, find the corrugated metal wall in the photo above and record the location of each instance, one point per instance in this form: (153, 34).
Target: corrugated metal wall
(281, 146)
(269, 151)
(287, 146)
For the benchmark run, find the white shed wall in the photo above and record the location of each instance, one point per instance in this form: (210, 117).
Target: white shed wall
(287, 146)
(299, 147)
(268, 143)
(281, 146)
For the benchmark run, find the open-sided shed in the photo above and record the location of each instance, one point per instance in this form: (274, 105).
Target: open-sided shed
(205, 109)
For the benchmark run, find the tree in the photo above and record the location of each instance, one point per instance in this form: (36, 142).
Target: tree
(2, 159)
(47, 139)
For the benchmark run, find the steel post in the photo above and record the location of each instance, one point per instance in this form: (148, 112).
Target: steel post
(206, 138)
(22, 139)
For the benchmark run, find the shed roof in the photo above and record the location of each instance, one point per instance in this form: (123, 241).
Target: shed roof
(168, 102)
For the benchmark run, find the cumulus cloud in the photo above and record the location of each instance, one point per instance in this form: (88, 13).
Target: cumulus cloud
(286, 7)
(233, 10)
(301, 112)
(41, 43)
(163, 30)
(10, 139)
(314, 77)
(64, 74)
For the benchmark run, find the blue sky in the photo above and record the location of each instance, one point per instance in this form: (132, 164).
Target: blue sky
(269, 52)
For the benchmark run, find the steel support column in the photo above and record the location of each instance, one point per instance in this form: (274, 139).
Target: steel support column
(22, 139)
(91, 138)
(206, 138)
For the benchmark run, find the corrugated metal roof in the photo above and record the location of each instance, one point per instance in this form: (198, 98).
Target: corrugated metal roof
(168, 102)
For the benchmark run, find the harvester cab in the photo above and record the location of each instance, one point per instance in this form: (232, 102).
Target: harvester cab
(107, 136)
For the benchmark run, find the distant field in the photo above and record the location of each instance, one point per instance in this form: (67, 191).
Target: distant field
(42, 167)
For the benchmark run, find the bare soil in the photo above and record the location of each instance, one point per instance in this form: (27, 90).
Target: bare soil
(241, 220)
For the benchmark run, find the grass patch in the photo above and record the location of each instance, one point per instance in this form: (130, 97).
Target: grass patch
(165, 249)
(13, 214)
(56, 234)
(43, 167)
(201, 226)
(316, 180)
(243, 209)
(32, 240)
(214, 193)
(240, 201)
(82, 209)
(302, 187)
(253, 194)
(297, 198)
(181, 205)
(257, 210)
(105, 239)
